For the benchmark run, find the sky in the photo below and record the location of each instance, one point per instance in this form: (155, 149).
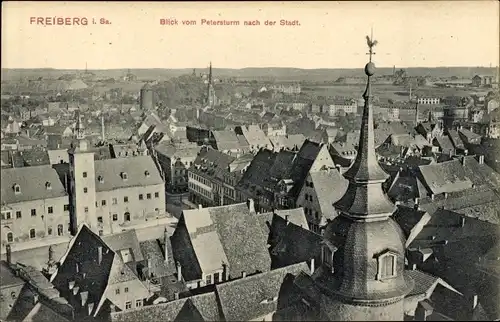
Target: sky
(330, 35)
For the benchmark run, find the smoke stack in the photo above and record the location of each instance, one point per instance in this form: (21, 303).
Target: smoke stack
(99, 255)
(179, 271)
(8, 254)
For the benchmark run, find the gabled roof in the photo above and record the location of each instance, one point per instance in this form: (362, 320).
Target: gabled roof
(140, 171)
(329, 186)
(445, 177)
(125, 240)
(254, 296)
(217, 236)
(32, 182)
(226, 140)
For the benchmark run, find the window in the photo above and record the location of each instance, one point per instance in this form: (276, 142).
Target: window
(311, 184)
(317, 215)
(124, 175)
(8, 215)
(306, 196)
(33, 212)
(115, 217)
(66, 207)
(117, 291)
(216, 277)
(148, 196)
(86, 209)
(125, 199)
(387, 265)
(49, 231)
(51, 210)
(115, 201)
(103, 203)
(310, 198)
(101, 179)
(10, 237)
(126, 289)
(208, 279)
(127, 216)
(60, 230)
(128, 305)
(141, 196)
(157, 195)
(85, 190)
(101, 232)
(85, 174)
(99, 219)
(146, 173)
(18, 214)
(32, 233)
(17, 189)
(138, 303)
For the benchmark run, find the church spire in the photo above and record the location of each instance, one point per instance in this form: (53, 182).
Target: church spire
(79, 129)
(365, 197)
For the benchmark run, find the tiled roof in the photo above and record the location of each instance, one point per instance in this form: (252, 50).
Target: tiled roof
(125, 240)
(456, 140)
(254, 136)
(445, 143)
(254, 296)
(153, 253)
(140, 171)
(292, 141)
(32, 182)
(445, 177)
(226, 140)
(424, 282)
(329, 186)
(212, 163)
(203, 307)
(227, 234)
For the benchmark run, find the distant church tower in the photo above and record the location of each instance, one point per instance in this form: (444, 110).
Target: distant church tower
(82, 181)
(211, 98)
(363, 257)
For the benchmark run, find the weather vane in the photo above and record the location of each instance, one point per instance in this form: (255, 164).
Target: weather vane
(371, 43)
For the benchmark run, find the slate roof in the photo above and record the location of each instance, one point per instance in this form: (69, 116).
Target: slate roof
(212, 163)
(254, 296)
(32, 181)
(227, 234)
(456, 139)
(445, 143)
(424, 282)
(203, 307)
(83, 250)
(134, 167)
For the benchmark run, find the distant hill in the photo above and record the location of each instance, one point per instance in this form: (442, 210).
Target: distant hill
(273, 73)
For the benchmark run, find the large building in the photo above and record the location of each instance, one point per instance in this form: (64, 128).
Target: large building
(147, 97)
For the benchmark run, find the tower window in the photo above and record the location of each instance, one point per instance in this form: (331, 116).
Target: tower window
(49, 231)
(48, 185)
(86, 209)
(127, 216)
(103, 202)
(148, 196)
(101, 179)
(85, 174)
(327, 256)
(141, 196)
(66, 207)
(18, 214)
(33, 212)
(85, 190)
(125, 199)
(387, 264)
(124, 175)
(146, 173)
(50, 210)
(60, 230)
(10, 237)
(32, 233)
(157, 195)
(115, 217)
(17, 189)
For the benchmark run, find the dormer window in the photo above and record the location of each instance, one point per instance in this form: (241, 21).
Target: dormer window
(101, 179)
(146, 173)
(387, 265)
(17, 188)
(48, 185)
(124, 175)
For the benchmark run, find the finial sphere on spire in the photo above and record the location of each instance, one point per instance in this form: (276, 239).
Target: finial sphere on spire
(370, 69)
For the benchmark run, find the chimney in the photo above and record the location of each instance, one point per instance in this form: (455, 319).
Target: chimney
(179, 272)
(176, 295)
(166, 240)
(432, 196)
(225, 272)
(466, 152)
(286, 219)
(312, 266)
(445, 195)
(339, 168)
(99, 255)
(8, 254)
(451, 153)
(473, 299)
(243, 274)
(462, 221)
(251, 205)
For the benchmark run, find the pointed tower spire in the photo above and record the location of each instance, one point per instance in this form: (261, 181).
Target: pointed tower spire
(79, 130)
(365, 197)
(210, 74)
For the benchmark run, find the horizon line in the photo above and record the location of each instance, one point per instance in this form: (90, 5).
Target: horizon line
(235, 68)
